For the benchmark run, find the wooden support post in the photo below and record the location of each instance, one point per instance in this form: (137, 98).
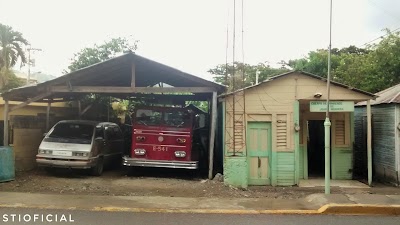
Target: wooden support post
(48, 116)
(6, 111)
(133, 79)
(213, 126)
(79, 109)
(369, 142)
(297, 140)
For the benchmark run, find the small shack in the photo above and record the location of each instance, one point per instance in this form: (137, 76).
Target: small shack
(274, 132)
(385, 136)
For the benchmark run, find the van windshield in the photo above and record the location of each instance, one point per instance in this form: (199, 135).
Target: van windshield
(72, 131)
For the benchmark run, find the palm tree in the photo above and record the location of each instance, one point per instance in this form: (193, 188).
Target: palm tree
(11, 43)
(11, 50)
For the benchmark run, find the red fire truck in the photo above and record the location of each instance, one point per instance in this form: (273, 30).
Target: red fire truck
(167, 137)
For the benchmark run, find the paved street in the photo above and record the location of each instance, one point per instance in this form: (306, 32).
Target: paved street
(79, 217)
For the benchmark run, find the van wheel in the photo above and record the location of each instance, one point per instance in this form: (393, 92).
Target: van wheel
(98, 169)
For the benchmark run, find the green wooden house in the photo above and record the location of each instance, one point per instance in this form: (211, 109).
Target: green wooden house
(273, 131)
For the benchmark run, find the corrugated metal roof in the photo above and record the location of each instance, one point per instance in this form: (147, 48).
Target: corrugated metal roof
(305, 73)
(116, 72)
(387, 96)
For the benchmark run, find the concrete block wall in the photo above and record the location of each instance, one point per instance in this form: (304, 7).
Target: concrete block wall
(26, 144)
(26, 133)
(236, 171)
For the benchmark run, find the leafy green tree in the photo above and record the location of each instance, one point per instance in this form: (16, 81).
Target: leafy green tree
(375, 69)
(244, 74)
(351, 50)
(371, 69)
(355, 70)
(316, 62)
(386, 57)
(11, 50)
(99, 53)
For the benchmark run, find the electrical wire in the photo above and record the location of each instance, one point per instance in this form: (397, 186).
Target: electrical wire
(243, 69)
(227, 47)
(233, 44)
(233, 74)
(380, 37)
(387, 13)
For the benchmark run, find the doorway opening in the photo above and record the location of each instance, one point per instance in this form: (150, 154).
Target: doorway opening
(316, 148)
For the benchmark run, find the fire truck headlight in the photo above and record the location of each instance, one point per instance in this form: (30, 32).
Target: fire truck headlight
(140, 151)
(180, 154)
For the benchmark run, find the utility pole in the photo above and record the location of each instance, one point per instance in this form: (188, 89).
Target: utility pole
(327, 122)
(29, 62)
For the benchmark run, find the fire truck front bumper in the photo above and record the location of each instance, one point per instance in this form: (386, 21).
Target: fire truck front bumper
(127, 161)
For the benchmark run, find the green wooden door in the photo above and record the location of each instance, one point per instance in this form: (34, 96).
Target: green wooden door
(259, 145)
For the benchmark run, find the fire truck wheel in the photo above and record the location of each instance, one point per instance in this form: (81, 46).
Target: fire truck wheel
(98, 169)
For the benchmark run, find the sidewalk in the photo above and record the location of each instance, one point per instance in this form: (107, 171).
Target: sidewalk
(315, 203)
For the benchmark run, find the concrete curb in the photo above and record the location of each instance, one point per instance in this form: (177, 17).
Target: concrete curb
(162, 210)
(360, 209)
(329, 209)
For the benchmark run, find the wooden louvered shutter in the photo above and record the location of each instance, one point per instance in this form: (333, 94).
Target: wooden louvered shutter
(281, 132)
(340, 136)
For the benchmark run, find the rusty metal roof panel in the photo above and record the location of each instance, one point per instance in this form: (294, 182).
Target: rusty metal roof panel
(387, 96)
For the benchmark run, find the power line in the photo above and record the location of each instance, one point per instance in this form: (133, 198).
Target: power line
(227, 47)
(233, 44)
(380, 37)
(243, 76)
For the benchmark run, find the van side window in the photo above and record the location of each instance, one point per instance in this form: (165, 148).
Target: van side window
(99, 132)
(113, 132)
(109, 133)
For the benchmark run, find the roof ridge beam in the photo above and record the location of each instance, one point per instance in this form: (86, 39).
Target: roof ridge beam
(113, 89)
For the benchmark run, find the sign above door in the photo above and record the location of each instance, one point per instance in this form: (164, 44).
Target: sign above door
(334, 106)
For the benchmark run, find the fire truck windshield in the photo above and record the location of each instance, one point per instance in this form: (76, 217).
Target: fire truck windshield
(169, 117)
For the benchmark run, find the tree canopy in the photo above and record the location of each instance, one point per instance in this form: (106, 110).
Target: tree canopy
(372, 69)
(99, 53)
(246, 71)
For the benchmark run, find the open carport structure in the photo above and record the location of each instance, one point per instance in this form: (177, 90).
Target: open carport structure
(125, 76)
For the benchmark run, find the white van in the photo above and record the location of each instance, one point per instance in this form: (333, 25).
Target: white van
(81, 144)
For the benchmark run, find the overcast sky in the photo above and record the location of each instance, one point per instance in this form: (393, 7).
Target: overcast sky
(191, 35)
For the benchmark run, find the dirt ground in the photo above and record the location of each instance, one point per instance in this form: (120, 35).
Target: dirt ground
(174, 183)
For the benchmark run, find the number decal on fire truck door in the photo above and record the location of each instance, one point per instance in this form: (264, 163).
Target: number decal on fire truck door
(160, 149)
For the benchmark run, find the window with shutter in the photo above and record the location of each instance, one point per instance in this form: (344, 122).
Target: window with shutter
(281, 132)
(340, 132)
